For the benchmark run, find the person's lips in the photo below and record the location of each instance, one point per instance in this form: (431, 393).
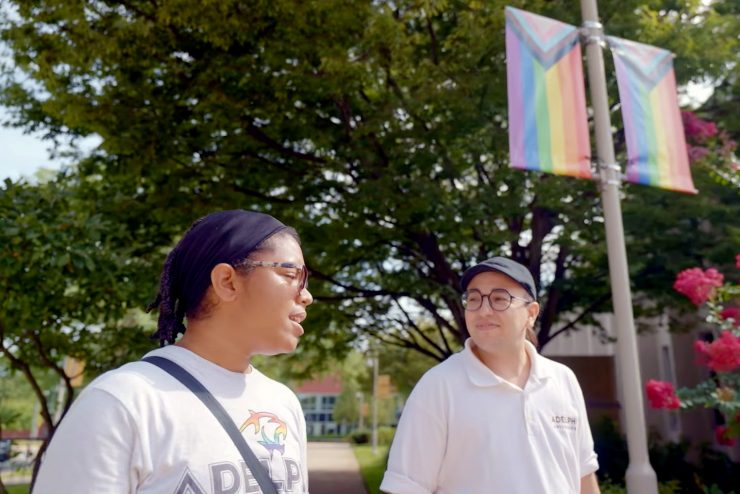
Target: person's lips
(486, 326)
(298, 317)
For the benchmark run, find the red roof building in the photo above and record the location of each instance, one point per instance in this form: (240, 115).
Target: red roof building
(324, 385)
(318, 398)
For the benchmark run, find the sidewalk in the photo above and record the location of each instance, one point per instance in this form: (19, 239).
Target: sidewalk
(333, 469)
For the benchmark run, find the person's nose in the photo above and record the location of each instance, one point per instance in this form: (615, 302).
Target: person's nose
(304, 297)
(486, 306)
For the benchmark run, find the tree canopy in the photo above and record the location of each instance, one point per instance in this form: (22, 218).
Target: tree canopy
(377, 129)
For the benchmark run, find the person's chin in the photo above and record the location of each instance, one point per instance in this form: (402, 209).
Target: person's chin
(483, 336)
(291, 343)
(288, 344)
(487, 342)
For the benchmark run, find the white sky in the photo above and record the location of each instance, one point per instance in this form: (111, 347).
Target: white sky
(20, 154)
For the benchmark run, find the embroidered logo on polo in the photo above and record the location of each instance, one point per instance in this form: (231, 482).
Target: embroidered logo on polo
(564, 422)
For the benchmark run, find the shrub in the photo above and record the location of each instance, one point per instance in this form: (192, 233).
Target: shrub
(360, 437)
(611, 449)
(714, 473)
(385, 435)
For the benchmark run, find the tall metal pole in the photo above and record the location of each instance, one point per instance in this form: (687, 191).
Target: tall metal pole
(640, 477)
(361, 398)
(375, 402)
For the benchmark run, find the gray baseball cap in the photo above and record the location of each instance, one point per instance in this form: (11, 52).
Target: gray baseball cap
(510, 268)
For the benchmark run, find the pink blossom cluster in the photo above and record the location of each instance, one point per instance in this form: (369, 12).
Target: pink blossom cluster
(697, 153)
(731, 313)
(722, 355)
(696, 127)
(703, 138)
(728, 146)
(661, 394)
(697, 284)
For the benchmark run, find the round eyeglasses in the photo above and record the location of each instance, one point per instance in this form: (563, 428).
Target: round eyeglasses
(499, 299)
(294, 271)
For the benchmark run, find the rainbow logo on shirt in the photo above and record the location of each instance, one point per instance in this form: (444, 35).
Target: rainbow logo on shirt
(269, 430)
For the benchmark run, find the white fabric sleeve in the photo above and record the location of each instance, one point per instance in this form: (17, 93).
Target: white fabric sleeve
(301, 419)
(92, 449)
(586, 455)
(418, 447)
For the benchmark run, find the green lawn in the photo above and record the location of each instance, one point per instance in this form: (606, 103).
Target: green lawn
(372, 466)
(17, 489)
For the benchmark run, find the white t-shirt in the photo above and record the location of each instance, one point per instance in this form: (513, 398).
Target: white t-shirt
(137, 429)
(464, 430)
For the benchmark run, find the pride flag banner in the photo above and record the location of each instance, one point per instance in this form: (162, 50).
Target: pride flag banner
(656, 146)
(548, 129)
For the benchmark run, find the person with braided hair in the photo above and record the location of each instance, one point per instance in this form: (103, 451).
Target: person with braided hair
(235, 286)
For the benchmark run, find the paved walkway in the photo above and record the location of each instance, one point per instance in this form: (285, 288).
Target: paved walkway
(333, 469)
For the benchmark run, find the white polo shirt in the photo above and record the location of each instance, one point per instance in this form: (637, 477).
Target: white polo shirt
(464, 430)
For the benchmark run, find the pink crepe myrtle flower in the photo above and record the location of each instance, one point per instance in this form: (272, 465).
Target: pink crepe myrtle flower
(661, 394)
(731, 313)
(697, 128)
(697, 284)
(722, 355)
(696, 153)
(728, 145)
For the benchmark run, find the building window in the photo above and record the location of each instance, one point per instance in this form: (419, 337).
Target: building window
(308, 402)
(319, 417)
(327, 402)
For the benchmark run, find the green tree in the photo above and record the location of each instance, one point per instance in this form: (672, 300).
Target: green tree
(10, 416)
(378, 129)
(17, 400)
(723, 106)
(67, 284)
(405, 366)
(347, 407)
(353, 372)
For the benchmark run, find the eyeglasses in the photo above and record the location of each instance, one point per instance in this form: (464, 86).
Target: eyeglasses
(295, 271)
(499, 299)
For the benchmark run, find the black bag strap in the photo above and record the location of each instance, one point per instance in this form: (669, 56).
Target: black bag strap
(258, 470)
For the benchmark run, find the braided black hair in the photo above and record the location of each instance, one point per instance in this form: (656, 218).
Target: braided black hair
(223, 237)
(170, 322)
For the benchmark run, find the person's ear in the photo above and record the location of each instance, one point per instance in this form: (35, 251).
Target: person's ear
(534, 310)
(224, 282)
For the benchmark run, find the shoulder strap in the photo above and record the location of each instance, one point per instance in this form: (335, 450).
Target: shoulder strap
(258, 470)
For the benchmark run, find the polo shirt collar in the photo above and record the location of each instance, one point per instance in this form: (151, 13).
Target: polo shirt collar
(538, 372)
(480, 375)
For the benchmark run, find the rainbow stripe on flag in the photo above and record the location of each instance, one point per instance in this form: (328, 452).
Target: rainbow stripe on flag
(656, 146)
(548, 129)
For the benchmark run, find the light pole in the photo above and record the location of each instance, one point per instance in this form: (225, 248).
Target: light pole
(360, 422)
(375, 403)
(640, 477)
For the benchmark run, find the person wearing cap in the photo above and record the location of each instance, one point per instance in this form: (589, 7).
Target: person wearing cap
(496, 417)
(235, 286)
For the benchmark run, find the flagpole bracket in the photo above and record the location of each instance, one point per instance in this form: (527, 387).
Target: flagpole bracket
(609, 173)
(593, 32)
